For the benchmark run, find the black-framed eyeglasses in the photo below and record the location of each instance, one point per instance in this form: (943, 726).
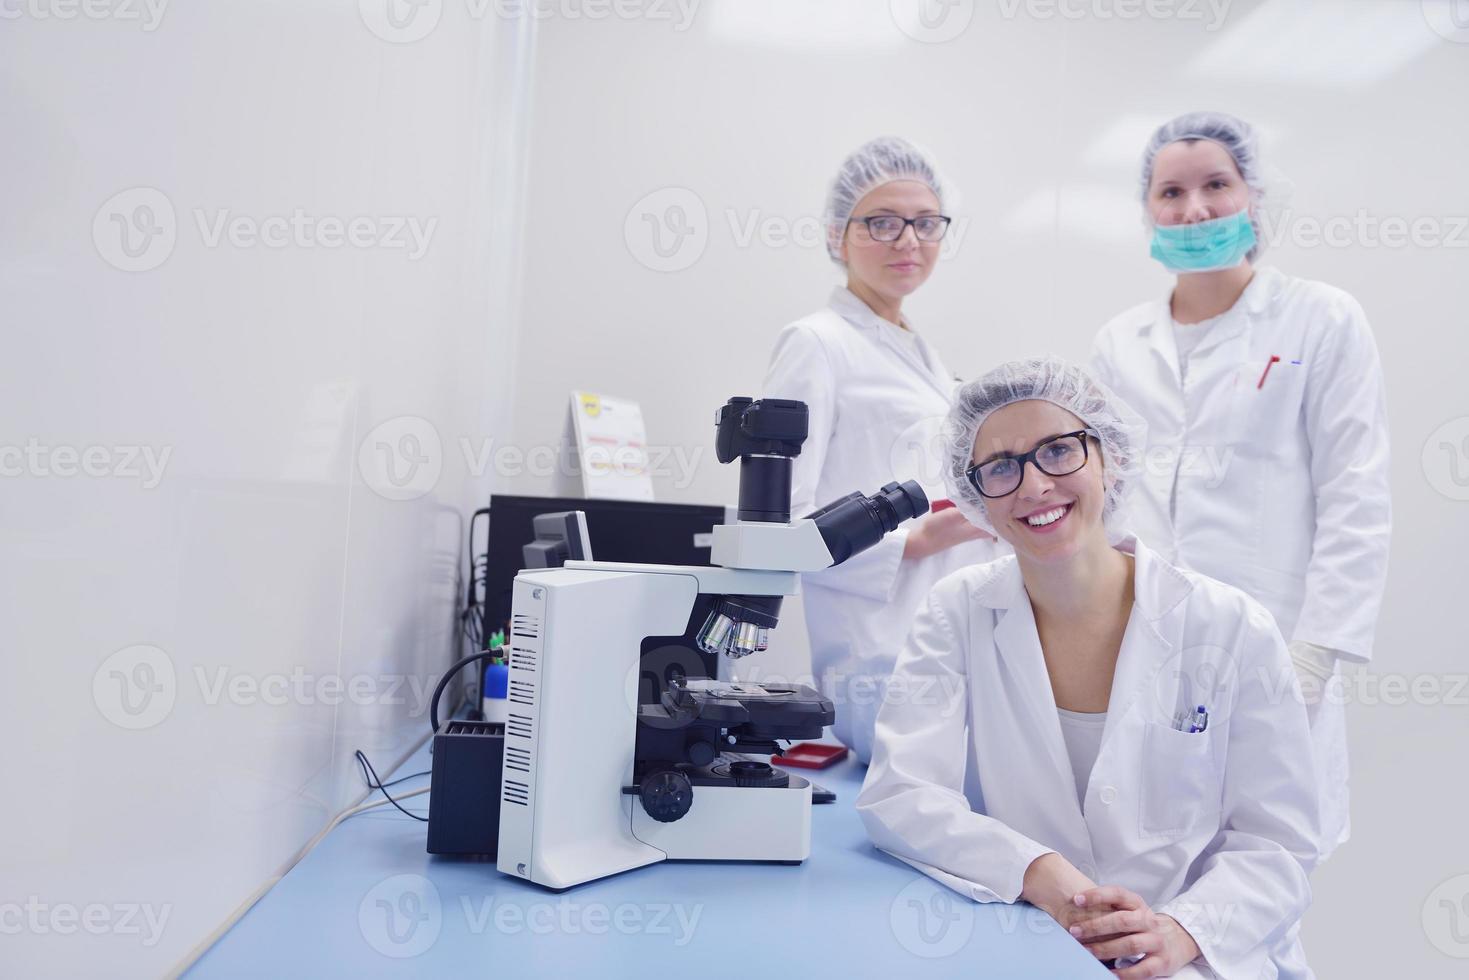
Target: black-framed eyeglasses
(1058, 456)
(890, 227)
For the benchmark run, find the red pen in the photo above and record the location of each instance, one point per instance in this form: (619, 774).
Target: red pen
(1264, 374)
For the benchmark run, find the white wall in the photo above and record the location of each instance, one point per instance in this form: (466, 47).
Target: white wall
(270, 549)
(271, 552)
(747, 110)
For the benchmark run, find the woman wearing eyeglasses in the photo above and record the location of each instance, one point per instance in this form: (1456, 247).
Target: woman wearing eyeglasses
(877, 392)
(1106, 735)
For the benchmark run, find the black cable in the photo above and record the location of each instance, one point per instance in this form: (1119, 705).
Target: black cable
(433, 706)
(470, 627)
(404, 779)
(480, 581)
(477, 583)
(370, 774)
(469, 554)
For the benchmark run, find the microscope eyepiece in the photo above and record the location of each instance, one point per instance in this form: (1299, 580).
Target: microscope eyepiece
(856, 522)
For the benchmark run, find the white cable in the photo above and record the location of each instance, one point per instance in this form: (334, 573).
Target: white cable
(199, 950)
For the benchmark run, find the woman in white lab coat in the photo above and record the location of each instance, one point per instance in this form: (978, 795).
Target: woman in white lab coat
(1083, 725)
(877, 393)
(1268, 441)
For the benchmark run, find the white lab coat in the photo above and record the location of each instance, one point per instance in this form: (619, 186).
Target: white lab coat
(876, 400)
(970, 779)
(1282, 488)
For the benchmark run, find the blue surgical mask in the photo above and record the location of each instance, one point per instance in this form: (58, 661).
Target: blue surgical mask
(1219, 243)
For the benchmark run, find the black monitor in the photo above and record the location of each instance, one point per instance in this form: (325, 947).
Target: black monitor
(561, 536)
(618, 530)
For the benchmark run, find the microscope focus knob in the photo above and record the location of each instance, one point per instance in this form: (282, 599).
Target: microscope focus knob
(701, 753)
(748, 773)
(666, 795)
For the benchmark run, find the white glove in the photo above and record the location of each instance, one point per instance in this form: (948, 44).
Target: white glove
(1315, 666)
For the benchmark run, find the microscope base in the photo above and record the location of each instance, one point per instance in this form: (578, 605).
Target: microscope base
(733, 823)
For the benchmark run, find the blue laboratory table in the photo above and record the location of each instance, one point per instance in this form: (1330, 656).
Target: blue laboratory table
(369, 901)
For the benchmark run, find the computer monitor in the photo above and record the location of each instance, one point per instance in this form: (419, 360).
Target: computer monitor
(561, 536)
(618, 530)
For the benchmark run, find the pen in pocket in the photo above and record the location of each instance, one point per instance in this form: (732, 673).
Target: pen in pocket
(1193, 722)
(1274, 359)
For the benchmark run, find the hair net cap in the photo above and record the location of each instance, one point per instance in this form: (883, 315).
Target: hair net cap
(880, 161)
(1122, 432)
(1237, 137)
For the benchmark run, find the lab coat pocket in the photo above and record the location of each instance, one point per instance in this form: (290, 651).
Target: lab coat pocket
(1267, 408)
(1180, 783)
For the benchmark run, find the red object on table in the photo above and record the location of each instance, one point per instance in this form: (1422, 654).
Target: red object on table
(810, 755)
(939, 505)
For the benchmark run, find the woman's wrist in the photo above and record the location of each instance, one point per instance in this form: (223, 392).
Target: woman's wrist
(1051, 882)
(1179, 938)
(915, 543)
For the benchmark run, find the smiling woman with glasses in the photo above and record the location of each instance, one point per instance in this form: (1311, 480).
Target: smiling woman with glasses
(1104, 734)
(877, 392)
(1001, 473)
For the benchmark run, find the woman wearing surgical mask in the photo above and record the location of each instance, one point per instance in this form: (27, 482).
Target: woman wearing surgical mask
(1267, 428)
(1102, 733)
(877, 393)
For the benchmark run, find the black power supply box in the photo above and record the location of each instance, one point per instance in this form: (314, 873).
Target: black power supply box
(464, 806)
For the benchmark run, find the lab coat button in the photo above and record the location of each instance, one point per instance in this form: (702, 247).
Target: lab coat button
(1108, 795)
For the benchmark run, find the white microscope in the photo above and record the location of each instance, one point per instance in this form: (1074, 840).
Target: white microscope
(622, 747)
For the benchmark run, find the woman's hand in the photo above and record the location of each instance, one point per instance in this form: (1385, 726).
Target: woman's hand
(1130, 928)
(1052, 885)
(939, 531)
